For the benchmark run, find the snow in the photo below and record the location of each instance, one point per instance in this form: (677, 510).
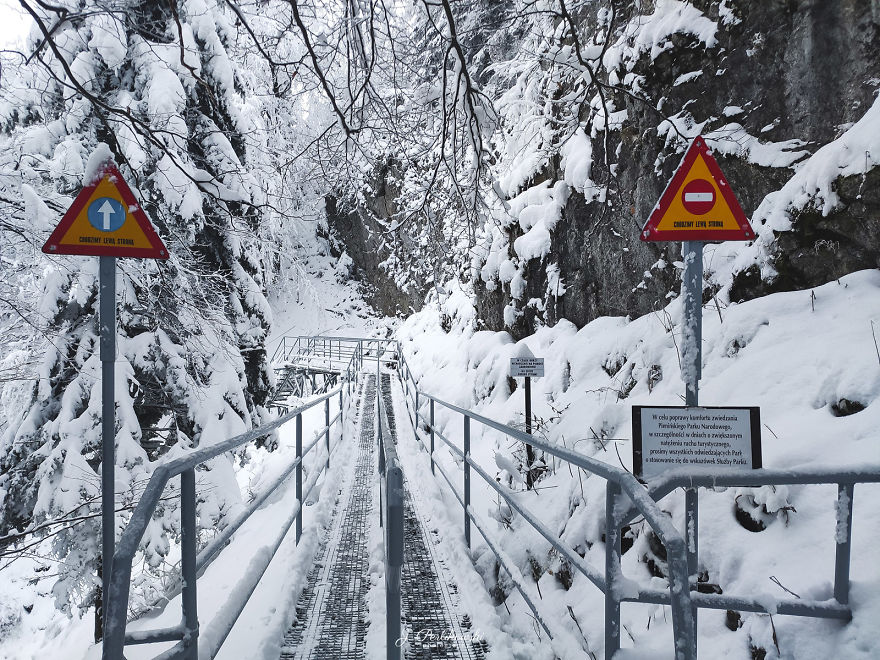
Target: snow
(743, 365)
(651, 33)
(812, 186)
(109, 38)
(687, 77)
(94, 170)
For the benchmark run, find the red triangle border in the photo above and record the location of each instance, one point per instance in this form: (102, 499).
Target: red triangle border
(158, 249)
(651, 233)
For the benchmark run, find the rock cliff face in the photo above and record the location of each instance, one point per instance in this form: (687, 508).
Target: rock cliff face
(768, 82)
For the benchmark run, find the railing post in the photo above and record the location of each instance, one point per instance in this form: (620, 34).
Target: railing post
(467, 480)
(612, 571)
(381, 447)
(691, 535)
(394, 554)
(416, 425)
(843, 537)
(188, 543)
(299, 475)
(432, 436)
(327, 423)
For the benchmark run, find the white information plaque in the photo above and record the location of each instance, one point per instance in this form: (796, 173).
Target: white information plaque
(676, 437)
(531, 367)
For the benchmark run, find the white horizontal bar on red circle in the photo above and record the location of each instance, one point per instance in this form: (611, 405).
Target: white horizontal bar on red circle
(699, 197)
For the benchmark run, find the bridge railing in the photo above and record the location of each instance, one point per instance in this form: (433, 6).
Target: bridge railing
(391, 510)
(332, 351)
(643, 501)
(186, 634)
(845, 480)
(618, 482)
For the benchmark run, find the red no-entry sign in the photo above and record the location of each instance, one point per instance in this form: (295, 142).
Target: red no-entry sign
(698, 196)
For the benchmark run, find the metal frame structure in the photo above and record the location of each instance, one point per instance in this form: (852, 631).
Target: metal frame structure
(330, 351)
(626, 497)
(193, 563)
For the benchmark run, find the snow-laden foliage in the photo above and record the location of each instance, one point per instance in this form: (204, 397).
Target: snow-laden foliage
(163, 90)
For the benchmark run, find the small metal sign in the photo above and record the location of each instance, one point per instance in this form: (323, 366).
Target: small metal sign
(528, 367)
(669, 437)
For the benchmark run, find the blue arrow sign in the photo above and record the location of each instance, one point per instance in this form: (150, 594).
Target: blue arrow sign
(106, 214)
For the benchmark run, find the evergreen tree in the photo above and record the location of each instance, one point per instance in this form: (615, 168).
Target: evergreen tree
(155, 86)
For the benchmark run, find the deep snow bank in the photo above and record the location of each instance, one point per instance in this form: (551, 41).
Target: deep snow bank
(808, 359)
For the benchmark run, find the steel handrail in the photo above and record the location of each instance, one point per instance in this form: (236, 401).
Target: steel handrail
(184, 466)
(618, 481)
(391, 513)
(618, 514)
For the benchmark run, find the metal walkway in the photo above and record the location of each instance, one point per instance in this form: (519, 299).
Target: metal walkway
(433, 630)
(331, 622)
(331, 615)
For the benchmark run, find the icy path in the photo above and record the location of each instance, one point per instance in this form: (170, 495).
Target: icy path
(331, 615)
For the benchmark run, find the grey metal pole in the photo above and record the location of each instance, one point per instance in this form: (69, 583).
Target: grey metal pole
(432, 436)
(327, 424)
(107, 321)
(380, 440)
(844, 538)
(188, 543)
(394, 536)
(691, 364)
(467, 480)
(612, 572)
(692, 291)
(299, 476)
(530, 451)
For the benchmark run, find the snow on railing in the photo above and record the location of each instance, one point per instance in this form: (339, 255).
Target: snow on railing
(642, 501)
(187, 633)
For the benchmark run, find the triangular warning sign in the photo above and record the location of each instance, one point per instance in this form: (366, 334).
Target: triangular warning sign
(106, 220)
(698, 204)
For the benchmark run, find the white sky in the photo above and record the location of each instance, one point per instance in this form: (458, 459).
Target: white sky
(14, 23)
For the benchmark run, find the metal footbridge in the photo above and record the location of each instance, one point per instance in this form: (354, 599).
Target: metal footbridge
(373, 500)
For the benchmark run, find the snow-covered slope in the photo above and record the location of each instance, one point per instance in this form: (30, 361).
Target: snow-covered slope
(806, 358)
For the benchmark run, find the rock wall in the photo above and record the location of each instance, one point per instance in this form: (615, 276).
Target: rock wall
(802, 70)
(772, 82)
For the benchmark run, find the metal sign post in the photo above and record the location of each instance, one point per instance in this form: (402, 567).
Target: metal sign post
(106, 221)
(698, 205)
(530, 451)
(107, 322)
(528, 366)
(691, 365)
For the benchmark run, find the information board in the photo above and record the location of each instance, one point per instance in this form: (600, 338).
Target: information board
(675, 436)
(530, 367)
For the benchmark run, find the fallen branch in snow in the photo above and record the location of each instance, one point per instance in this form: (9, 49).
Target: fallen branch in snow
(876, 348)
(776, 581)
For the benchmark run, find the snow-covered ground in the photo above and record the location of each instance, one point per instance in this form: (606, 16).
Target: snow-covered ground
(316, 297)
(797, 355)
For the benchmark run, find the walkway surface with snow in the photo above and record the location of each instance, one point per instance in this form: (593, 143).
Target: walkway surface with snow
(332, 615)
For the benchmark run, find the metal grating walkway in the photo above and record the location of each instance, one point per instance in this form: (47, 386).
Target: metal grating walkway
(429, 603)
(331, 613)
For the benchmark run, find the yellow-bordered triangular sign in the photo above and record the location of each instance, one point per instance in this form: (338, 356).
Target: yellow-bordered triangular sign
(105, 220)
(698, 204)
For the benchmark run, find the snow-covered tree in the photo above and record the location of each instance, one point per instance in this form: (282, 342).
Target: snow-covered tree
(155, 86)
